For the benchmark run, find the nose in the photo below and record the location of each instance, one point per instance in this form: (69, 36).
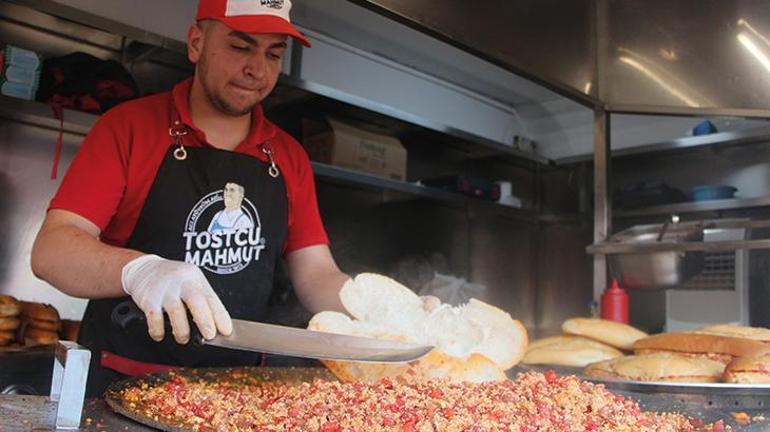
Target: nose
(256, 66)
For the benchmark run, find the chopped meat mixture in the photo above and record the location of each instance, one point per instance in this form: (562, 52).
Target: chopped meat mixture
(532, 402)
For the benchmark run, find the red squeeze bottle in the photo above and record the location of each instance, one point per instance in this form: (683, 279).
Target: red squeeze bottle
(615, 303)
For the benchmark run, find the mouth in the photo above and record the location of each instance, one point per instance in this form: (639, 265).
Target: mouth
(245, 89)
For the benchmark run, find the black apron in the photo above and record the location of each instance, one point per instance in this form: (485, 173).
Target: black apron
(185, 218)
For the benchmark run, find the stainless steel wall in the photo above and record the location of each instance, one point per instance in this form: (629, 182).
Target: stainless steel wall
(651, 56)
(548, 40)
(26, 155)
(539, 273)
(688, 53)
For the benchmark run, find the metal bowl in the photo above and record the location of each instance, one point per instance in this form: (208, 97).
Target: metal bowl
(657, 270)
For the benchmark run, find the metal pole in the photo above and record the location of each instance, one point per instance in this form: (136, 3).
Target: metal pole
(602, 210)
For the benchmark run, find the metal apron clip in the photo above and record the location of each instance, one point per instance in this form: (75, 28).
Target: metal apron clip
(177, 131)
(273, 170)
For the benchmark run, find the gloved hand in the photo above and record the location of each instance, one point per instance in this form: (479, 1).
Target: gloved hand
(157, 284)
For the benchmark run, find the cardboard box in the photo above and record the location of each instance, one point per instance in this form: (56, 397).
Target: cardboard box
(340, 144)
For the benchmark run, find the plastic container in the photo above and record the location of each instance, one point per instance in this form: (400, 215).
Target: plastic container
(615, 303)
(704, 128)
(713, 192)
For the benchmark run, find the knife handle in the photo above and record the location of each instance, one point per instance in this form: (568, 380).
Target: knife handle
(126, 313)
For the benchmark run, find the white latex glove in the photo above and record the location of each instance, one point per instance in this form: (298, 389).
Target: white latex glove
(157, 284)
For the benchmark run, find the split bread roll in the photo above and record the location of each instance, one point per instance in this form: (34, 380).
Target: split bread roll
(475, 342)
(749, 370)
(574, 351)
(612, 333)
(667, 367)
(701, 345)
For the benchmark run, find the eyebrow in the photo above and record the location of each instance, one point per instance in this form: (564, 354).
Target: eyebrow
(251, 41)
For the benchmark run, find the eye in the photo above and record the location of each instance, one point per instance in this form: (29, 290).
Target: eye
(274, 56)
(241, 48)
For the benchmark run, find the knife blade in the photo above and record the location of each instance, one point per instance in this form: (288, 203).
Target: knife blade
(297, 342)
(289, 341)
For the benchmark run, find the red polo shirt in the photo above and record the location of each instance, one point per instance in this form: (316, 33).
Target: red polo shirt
(114, 169)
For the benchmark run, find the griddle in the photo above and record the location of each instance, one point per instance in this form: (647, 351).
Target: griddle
(711, 403)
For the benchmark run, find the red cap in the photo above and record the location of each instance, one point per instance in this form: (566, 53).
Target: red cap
(252, 16)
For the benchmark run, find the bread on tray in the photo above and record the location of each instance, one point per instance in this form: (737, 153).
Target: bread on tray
(575, 351)
(612, 333)
(755, 333)
(667, 367)
(749, 370)
(700, 345)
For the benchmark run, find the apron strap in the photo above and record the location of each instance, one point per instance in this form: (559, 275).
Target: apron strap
(127, 366)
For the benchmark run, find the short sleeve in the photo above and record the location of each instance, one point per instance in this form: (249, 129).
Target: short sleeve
(95, 181)
(305, 225)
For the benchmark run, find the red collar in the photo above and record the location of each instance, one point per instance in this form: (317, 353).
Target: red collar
(261, 128)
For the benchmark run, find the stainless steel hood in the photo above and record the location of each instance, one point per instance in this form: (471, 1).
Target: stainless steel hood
(689, 57)
(550, 42)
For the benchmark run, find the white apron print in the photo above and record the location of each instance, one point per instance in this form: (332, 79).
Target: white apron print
(223, 233)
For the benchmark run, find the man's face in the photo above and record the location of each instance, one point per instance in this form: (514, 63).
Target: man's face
(233, 196)
(236, 70)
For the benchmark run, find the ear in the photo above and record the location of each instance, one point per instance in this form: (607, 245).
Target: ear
(195, 39)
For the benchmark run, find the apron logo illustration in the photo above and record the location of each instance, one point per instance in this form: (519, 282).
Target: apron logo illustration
(275, 4)
(223, 240)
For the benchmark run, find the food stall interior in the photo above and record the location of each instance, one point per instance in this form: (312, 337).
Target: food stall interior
(539, 95)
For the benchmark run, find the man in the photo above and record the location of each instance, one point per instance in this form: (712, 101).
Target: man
(232, 218)
(132, 214)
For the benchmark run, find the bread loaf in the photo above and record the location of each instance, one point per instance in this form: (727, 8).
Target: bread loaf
(574, 351)
(9, 307)
(755, 333)
(612, 333)
(33, 336)
(40, 316)
(474, 342)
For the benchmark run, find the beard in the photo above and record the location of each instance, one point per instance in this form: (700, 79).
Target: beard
(216, 98)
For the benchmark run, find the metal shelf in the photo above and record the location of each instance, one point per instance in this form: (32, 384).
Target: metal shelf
(347, 176)
(483, 147)
(697, 207)
(40, 114)
(732, 138)
(82, 16)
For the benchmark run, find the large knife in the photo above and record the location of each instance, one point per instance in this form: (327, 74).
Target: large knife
(290, 341)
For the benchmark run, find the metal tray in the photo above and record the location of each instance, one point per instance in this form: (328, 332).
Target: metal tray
(709, 401)
(288, 375)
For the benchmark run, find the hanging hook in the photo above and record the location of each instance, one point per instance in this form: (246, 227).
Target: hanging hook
(177, 131)
(273, 170)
